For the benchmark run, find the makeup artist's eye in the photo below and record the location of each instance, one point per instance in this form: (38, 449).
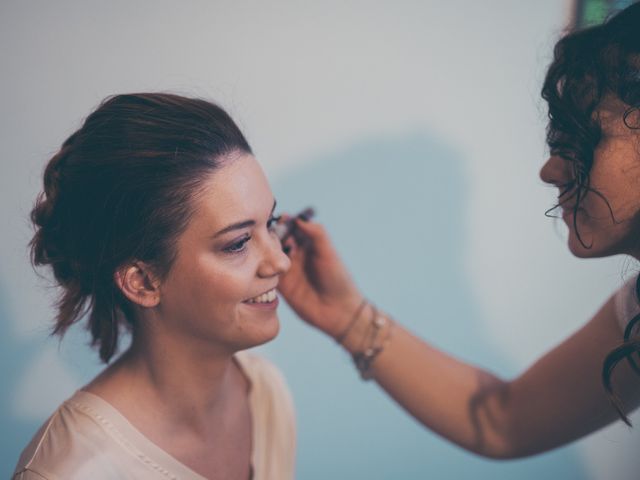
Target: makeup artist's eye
(239, 246)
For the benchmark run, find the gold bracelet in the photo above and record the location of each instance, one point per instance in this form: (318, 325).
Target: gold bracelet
(340, 338)
(364, 359)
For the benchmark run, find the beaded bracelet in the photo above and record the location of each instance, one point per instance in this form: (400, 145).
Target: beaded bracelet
(364, 359)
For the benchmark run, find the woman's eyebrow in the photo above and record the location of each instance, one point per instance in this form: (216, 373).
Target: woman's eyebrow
(240, 225)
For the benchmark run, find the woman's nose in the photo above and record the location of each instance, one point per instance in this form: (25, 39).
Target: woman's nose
(275, 261)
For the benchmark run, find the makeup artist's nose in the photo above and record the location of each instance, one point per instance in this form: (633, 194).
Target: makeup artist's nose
(274, 261)
(555, 171)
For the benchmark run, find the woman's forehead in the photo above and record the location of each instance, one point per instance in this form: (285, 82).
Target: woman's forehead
(238, 188)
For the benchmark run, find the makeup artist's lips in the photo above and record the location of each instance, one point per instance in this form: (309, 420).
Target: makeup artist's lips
(569, 212)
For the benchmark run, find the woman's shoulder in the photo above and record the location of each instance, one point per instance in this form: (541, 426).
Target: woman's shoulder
(270, 400)
(82, 439)
(274, 417)
(627, 303)
(68, 437)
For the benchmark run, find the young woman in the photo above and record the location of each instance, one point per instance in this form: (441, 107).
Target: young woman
(593, 92)
(157, 220)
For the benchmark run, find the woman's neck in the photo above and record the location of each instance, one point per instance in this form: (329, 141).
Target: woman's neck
(189, 386)
(186, 398)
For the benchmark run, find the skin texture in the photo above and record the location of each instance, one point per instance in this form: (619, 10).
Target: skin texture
(616, 175)
(178, 383)
(204, 295)
(560, 397)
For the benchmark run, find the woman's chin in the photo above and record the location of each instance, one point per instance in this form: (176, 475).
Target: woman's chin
(268, 335)
(260, 332)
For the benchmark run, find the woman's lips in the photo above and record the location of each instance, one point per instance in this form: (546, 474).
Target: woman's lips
(272, 305)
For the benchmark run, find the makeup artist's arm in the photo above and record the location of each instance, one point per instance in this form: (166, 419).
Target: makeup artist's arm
(558, 399)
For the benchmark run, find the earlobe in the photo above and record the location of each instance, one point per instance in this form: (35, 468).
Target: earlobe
(137, 282)
(632, 118)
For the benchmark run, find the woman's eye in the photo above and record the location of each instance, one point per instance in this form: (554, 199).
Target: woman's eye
(238, 246)
(272, 221)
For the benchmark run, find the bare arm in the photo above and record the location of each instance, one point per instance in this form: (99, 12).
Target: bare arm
(558, 399)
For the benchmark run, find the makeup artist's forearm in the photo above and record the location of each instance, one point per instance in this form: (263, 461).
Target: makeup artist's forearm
(558, 399)
(439, 391)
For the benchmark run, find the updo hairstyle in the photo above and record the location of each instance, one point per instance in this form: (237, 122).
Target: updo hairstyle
(120, 190)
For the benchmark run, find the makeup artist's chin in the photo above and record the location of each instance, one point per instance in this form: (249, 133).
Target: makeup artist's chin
(593, 244)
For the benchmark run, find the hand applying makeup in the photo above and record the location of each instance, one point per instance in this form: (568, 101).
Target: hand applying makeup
(469, 406)
(318, 286)
(568, 392)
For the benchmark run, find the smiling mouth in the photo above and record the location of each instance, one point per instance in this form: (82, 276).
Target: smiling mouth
(266, 297)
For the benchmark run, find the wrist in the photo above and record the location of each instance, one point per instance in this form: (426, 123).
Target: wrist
(352, 338)
(366, 337)
(350, 310)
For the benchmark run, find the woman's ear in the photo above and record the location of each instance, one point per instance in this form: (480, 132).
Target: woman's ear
(139, 284)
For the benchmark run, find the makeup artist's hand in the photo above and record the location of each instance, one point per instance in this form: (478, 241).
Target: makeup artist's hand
(318, 286)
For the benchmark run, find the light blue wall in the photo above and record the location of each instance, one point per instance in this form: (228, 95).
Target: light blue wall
(416, 131)
(402, 234)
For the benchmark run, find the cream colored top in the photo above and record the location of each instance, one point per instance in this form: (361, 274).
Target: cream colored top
(87, 438)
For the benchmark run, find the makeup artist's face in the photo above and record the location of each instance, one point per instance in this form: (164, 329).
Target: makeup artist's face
(221, 286)
(607, 228)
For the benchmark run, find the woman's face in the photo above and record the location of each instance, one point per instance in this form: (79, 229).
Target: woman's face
(616, 175)
(221, 286)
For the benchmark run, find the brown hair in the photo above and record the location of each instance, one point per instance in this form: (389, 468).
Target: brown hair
(119, 190)
(588, 64)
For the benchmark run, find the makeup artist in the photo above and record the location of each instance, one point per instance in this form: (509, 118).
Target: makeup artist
(590, 380)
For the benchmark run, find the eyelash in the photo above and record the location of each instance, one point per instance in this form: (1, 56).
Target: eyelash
(271, 221)
(239, 246)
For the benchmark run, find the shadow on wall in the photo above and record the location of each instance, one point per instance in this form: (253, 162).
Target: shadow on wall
(396, 209)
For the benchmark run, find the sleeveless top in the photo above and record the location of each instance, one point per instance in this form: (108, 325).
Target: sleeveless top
(87, 438)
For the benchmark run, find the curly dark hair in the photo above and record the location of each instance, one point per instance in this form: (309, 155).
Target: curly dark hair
(588, 65)
(120, 190)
